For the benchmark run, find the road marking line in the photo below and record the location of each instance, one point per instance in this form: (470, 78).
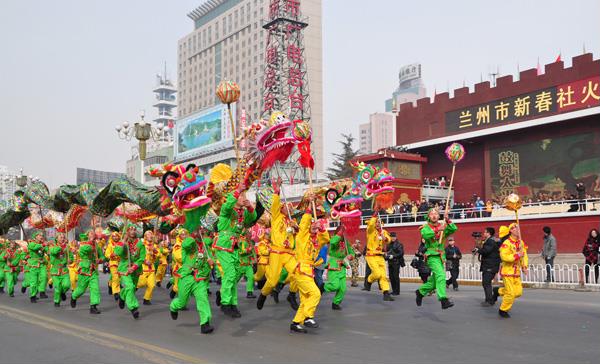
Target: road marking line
(100, 337)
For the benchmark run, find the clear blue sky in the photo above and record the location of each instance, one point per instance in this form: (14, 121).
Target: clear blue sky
(72, 70)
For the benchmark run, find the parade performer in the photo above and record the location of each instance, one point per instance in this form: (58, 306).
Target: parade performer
(236, 214)
(514, 260)
(310, 239)
(340, 254)
(59, 258)
(3, 247)
(377, 238)
(37, 276)
(88, 273)
(161, 269)
(148, 277)
(132, 254)
(114, 281)
(435, 233)
(262, 251)
(282, 247)
(194, 279)
(246, 263)
(12, 257)
(176, 261)
(74, 264)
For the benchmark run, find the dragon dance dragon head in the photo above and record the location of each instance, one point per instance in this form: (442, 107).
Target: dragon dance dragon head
(270, 141)
(371, 180)
(184, 186)
(342, 200)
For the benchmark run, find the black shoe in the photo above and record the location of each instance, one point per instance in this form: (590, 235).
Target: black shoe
(56, 304)
(174, 314)
(169, 284)
(275, 294)
(23, 289)
(110, 290)
(395, 293)
(495, 294)
(336, 307)
(354, 285)
(63, 297)
(455, 289)
(121, 303)
(260, 302)
(311, 323)
(446, 303)
(11, 295)
(206, 328)
(158, 284)
(226, 309)
(419, 299)
(218, 298)
(296, 327)
(147, 303)
(43, 295)
(50, 286)
(94, 310)
(208, 292)
(250, 295)
(33, 299)
(486, 304)
(291, 298)
(260, 284)
(367, 287)
(172, 294)
(1, 289)
(387, 296)
(135, 313)
(73, 303)
(503, 314)
(235, 313)
(116, 296)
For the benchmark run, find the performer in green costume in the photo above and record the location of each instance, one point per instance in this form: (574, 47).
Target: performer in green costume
(132, 254)
(3, 246)
(12, 257)
(236, 214)
(246, 261)
(194, 279)
(37, 277)
(339, 254)
(435, 257)
(87, 276)
(60, 256)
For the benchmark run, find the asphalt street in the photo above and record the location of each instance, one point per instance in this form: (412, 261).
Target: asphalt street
(548, 326)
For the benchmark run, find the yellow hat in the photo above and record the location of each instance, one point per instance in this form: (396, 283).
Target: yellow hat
(504, 230)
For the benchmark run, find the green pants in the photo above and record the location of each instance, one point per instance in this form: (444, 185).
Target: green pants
(437, 279)
(283, 276)
(2, 279)
(129, 285)
(188, 286)
(83, 282)
(43, 279)
(11, 279)
(34, 280)
(336, 282)
(25, 282)
(61, 285)
(231, 276)
(248, 272)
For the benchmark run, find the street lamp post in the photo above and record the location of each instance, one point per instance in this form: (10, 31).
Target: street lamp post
(142, 131)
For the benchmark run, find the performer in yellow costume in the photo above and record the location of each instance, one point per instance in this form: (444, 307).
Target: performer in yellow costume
(514, 260)
(263, 249)
(148, 277)
(377, 238)
(161, 269)
(114, 282)
(74, 264)
(176, 260)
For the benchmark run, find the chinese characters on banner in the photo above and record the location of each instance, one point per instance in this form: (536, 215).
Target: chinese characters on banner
(509, 172)
(563, 98)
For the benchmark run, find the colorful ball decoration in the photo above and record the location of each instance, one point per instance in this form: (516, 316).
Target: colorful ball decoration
(455, 152)
(228, 91)
(513, 202)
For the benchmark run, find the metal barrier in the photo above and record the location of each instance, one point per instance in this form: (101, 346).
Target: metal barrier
(564, 274)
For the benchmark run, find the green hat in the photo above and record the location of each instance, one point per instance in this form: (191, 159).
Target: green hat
(83, 237)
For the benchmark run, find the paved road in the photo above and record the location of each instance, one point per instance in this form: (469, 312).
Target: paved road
(548, 326)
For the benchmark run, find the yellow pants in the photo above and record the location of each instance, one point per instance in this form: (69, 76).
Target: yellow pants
(276, 263)
(115, 280)
(309, 296)
(511, 290)
(148, 280)
(378, 272)
(73, 278)
(160, 272)
(260, 272)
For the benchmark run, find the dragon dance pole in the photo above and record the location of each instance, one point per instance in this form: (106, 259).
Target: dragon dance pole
(455, 153)
(229, 92)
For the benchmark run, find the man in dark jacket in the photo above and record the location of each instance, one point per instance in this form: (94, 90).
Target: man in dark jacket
(453, 257)
(395, 259)
(489, 254)
(549, 253)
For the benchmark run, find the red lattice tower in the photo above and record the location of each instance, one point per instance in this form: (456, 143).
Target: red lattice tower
(285, 86)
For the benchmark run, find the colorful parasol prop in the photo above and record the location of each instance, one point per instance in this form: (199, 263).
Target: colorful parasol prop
(229, 92)
(455, 153)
